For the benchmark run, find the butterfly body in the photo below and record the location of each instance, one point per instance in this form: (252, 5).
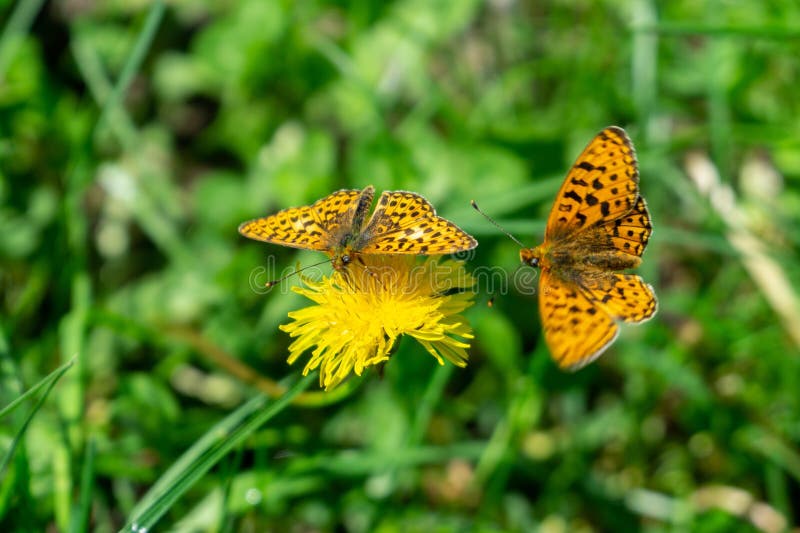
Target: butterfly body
(589, 251)
(341, 226)
(599, 226)
(346, 240)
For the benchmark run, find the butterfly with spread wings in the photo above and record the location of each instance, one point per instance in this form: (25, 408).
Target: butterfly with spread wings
(598, 226)
(402, 223)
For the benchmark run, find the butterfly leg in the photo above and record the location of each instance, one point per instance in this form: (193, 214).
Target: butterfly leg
(369, 270)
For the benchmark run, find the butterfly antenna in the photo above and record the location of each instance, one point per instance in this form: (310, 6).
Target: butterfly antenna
(274, 282)
(498, 226)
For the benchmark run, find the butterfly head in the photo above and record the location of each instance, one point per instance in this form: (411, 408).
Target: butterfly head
(341, 258)
(341, 261)
(532, 256)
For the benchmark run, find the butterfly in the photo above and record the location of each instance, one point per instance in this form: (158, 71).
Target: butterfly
(403, 223)
(598, 226)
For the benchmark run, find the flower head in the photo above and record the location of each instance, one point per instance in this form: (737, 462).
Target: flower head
(358, 315)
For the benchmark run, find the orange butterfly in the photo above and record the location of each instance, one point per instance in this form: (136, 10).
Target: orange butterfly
(598, 225)
(402, 223)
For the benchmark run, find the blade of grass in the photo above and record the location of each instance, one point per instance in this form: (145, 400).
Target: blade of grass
(80, 518)
(773, 449)
(10, 378)
(767, 273)
(91, 68)
(50, 382)
(522, 196)
(47, 380)
(131, 67)
(644, 66)
(523, 412)
(19, 23)
(232, 467)
(361, 463)
(680, 28)
(713, 242)
(424, 411)
(71, 396)
(430, 398)
(521, 229)
(342, 62)
(778, 491)
(206, 453)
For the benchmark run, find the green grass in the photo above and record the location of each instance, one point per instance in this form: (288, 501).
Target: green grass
(142, 380)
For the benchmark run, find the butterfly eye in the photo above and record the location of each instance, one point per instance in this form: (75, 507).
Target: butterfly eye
(534, 262)
(345, 259)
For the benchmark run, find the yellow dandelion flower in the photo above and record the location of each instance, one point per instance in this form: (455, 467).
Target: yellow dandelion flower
(358, 316)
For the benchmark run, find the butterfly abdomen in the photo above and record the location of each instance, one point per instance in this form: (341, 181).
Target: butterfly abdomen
(362, 209)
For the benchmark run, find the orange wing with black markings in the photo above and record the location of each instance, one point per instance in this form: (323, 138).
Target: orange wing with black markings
(406, 223)
(598, 225)
(576, 329)
(313, 227)
(403, 223)
(630, 232)
(602, 185)
(624, 297)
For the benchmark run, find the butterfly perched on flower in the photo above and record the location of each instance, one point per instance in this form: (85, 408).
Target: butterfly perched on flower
(598, 226)
(403, 223)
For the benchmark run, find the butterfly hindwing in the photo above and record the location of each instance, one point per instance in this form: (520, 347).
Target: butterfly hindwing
(630, 232)
(603, 184)
(624, 297)
(576, 330)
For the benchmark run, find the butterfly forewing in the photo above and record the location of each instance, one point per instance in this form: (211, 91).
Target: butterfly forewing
(396, 208)
(313, 227)
(406, 223)
(603, 184)
(576, 330)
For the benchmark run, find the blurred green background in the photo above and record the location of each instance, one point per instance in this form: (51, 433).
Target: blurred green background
(135, 136)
